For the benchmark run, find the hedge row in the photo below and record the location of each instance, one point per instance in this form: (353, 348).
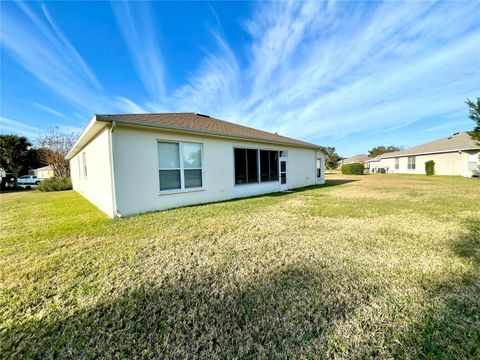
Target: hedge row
(55, 184)
(353, 169)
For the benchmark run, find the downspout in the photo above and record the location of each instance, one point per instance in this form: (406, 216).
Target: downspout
(112, 169)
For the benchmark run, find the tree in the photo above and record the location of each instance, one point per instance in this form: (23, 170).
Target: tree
(379, 150)
(56, 144)
(34, 159)
(14, 154)
(331, 158)
(474, 115)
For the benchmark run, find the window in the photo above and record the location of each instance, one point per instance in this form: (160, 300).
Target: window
(84, 159)
(473, 162)
(319, 168)
(179, 166)
(79, 167)
(247, 169)
(268, 165)
(411, 163)
(397, 163)
(192, 163)
(246, 166)
(283, 172)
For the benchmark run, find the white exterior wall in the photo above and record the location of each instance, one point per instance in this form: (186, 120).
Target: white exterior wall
(137, 180)
(97, 186)
(452, 163)
(45, 174)
(466, 165)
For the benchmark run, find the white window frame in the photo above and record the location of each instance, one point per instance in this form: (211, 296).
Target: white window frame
(259, 179)
(181, 168)
(317, 167)
(84, 161)
(260, 167)
(412, 163)
(397, 163)
(473, 162)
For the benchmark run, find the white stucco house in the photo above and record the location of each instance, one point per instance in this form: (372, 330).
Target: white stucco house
(457, 154)
(134, 163)
(45, 172)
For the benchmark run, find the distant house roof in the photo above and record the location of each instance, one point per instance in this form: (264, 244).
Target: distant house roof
(456, 142)
(44, 168)
(359, 158)
(188, 122)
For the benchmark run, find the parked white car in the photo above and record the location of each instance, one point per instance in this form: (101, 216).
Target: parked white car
(29, 180)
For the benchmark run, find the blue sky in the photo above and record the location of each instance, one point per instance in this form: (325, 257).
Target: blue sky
(347, 74)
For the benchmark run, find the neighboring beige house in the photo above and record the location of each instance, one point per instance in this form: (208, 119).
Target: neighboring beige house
(457, 154)
(130, 164)
(45, 172)
(359, 158)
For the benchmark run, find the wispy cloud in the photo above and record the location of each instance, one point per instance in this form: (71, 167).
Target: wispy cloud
(34, 39)
(49, 110)
(136, 24)
(129, 105)
(457, 124)
(214, 88)
(18, 127)
(313, 70)
(43, 50)
(317, 70)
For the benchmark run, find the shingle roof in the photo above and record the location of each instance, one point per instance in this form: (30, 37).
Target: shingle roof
(44, 168)
(359, 158)
(203, 124)
(455, 142)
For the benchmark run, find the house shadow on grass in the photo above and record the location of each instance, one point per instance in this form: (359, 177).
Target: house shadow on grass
(336, 182)
(277, 194)
(207, 316)
(328, 183)
(310, 310)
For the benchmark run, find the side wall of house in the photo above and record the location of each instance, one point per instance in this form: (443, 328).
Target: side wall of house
(452, 163)
(470, 163)
(445, 164)
(136, 166)
(96, 184)
(45, 174)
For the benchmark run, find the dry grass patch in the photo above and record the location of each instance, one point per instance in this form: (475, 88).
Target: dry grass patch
(353, 269)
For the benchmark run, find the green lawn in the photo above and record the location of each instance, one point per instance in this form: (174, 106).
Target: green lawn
(383, 266)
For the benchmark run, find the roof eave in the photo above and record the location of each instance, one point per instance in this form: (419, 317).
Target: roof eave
(92, 129)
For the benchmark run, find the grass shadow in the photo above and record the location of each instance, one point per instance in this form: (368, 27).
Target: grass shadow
(277, 315)
(17, 190)
(327, 184)
(277, 194)
(451, 329)
(468, 245)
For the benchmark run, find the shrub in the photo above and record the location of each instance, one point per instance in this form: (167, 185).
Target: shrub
(55, 184)
(430, 167)
(353, 169)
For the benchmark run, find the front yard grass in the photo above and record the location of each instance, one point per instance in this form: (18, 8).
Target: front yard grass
(384, 266)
